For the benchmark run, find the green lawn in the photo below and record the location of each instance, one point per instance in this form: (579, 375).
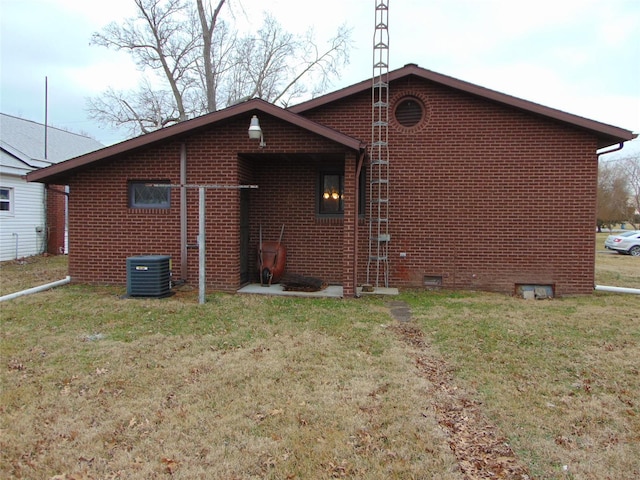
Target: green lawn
(96, 386)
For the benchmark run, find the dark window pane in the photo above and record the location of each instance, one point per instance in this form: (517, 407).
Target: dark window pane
(331, 194)
(148, 195)
(5, 199)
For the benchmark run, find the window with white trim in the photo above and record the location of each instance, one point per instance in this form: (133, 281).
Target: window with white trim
(6, 200)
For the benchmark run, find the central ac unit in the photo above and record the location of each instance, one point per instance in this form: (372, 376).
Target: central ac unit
(149, 276)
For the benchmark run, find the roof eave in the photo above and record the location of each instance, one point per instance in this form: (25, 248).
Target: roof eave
(607, 134)
(62, 169)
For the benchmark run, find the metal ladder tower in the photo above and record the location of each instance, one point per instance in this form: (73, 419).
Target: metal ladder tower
(379, 237)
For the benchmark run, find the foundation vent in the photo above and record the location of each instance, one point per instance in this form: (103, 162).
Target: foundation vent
(534, 292)
(432, 281)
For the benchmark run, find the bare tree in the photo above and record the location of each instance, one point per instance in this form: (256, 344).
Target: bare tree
(161, 39)
(613, 197)
(212, 58)
(272, 64)
(630, 165)
(198, 64)
(140, 111)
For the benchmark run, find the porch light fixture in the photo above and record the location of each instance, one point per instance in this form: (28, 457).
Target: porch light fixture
(255, 132)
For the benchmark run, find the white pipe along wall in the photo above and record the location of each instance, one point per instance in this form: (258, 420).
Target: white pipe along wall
(604, 288)
(41, 288)
(47, 286)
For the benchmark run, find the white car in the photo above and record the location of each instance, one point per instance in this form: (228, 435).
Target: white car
(626, 242)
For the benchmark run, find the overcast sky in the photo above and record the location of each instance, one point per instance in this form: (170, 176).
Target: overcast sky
(580, 56)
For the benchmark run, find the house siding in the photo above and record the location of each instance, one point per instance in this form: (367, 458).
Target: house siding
(37, 222)
(22, 231)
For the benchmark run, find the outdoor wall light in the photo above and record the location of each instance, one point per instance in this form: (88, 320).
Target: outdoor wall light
(255, 132)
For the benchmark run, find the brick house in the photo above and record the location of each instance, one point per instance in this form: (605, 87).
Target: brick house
(486, 191)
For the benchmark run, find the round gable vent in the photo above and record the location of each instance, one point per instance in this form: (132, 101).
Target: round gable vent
(409, 112)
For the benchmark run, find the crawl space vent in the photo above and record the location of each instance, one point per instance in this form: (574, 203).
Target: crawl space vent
(432, 281)
(149, 276)
(537, 292)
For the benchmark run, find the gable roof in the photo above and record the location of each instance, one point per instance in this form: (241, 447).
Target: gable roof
(256, 105)
(607, 134)
(22, 144)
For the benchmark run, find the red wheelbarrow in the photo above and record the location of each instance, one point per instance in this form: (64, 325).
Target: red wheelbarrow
(272, 257)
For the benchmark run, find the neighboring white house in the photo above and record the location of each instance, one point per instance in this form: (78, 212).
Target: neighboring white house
(23, 206)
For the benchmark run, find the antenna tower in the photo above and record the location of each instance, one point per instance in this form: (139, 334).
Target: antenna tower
(379, 237)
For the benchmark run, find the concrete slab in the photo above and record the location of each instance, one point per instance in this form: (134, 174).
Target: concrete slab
(400, 310)
(379, 291)
(332, 291)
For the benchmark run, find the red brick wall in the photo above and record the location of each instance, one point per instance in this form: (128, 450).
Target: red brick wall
(483, 195)
(56, 203)
(104, 231)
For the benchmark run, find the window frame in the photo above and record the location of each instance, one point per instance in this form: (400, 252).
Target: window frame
(320, 192)
(8, 201)
(133, 204)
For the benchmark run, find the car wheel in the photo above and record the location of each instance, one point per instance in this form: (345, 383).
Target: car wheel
(635, 251)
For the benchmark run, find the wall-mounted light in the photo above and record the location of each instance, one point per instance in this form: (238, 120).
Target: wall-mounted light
(255, 132)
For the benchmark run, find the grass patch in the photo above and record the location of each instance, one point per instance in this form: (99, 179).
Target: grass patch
(17, 275)
(94, 386)
(559, 377)
(242, 387)
(613, 269)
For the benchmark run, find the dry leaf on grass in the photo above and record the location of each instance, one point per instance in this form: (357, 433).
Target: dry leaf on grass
(170, 465)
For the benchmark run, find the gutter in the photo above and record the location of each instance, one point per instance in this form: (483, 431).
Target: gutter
(41, 288)
(604, 288)
(618, 148)
(360, 162)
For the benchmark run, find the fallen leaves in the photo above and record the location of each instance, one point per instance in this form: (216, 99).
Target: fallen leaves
(481, 450)
(260, 416)
(16, 365)
(170, 465)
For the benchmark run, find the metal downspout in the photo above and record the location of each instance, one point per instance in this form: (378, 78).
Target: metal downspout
(357, 218)
(183, 212)
(17, 243)
(607, 288)
(47, 231)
